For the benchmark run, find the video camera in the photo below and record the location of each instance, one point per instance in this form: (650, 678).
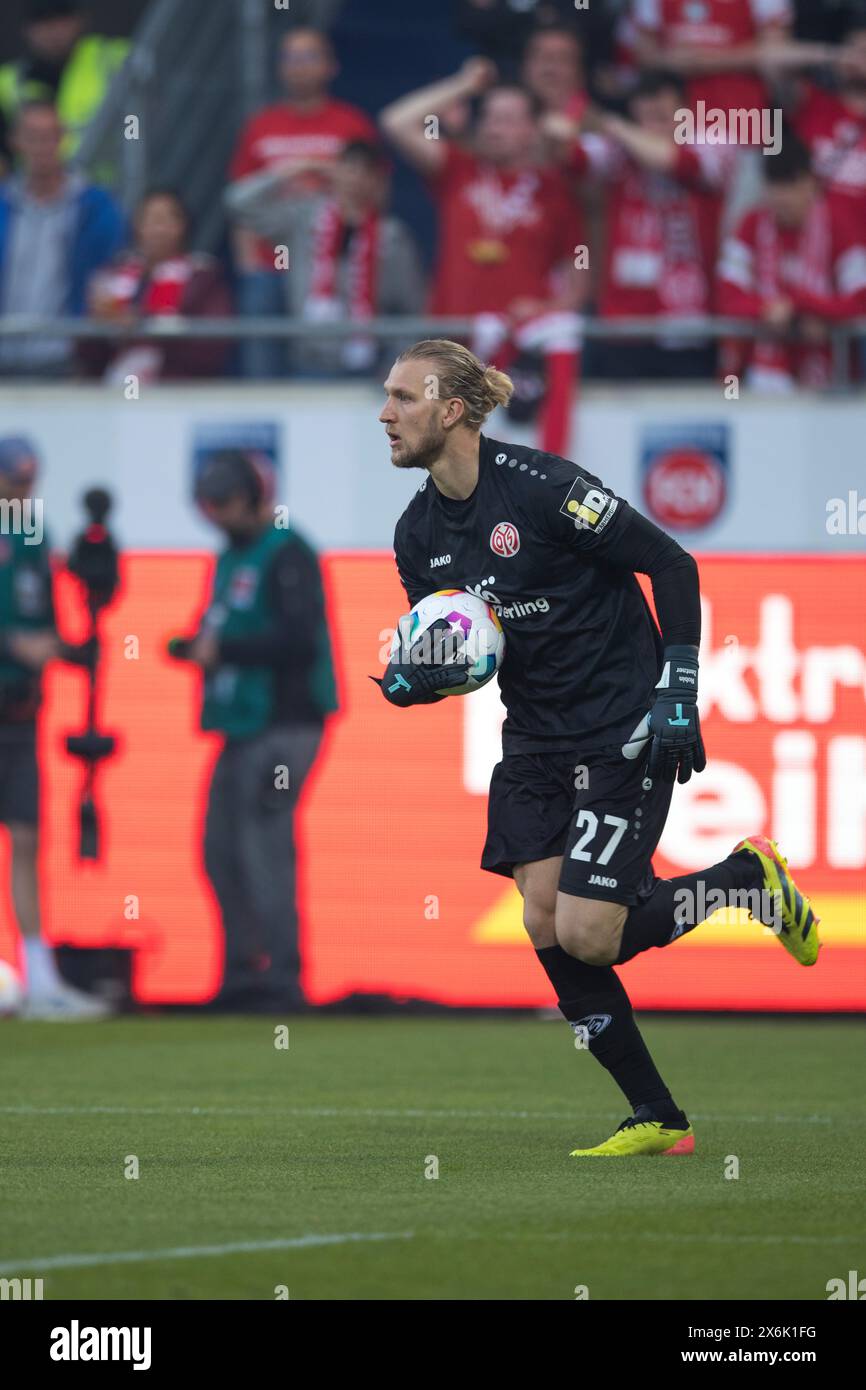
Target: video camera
(94, 561)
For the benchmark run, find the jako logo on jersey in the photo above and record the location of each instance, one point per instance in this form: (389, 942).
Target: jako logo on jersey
(593, 1024)
(603, 882)
(440, 560)
(504, 538)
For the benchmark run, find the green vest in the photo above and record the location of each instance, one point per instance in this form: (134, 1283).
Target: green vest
(83, 85)
(239, 700)
(25, 603)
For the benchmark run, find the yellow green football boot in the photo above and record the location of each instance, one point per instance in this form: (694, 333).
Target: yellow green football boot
(642, 1138)
(798, 931)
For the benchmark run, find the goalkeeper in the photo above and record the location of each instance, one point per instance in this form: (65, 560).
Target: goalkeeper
(602, 709)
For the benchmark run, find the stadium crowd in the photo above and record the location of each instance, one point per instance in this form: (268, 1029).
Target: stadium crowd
(584, 162)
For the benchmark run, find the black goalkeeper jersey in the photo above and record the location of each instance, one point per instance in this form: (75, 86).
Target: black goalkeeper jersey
(538, 539)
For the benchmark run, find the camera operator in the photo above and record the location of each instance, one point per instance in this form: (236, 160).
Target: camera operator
(28, 640)
(264, 648)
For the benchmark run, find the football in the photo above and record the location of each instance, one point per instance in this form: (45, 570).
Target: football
(11, 990)
(458, 626)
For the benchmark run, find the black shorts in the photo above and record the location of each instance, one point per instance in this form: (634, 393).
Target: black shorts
(19, 780)
(595, 811)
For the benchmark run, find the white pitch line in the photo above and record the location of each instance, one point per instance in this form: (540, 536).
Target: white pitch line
(347, 1112)
(194, 1252)
(187, 1252)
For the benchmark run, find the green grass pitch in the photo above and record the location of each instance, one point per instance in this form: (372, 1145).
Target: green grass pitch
(240, 1143)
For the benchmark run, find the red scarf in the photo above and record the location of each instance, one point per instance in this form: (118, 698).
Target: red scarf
(657, 218)
(329, 239)
(559, 336)
(813, 253)
(158, 291)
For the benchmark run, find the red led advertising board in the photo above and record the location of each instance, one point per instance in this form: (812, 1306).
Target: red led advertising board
(393, 818)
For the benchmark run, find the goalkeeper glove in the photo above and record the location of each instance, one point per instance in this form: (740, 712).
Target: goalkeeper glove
(410, 679)
(673, 727)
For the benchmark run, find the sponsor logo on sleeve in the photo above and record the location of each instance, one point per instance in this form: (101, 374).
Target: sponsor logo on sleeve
(590, 508)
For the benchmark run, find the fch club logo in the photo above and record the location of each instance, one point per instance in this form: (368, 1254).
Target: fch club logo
(685, 475)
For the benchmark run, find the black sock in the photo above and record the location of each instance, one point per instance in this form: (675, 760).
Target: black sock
(668, 913)
(593, 997)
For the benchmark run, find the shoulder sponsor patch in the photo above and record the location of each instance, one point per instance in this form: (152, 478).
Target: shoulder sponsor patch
(588, 506)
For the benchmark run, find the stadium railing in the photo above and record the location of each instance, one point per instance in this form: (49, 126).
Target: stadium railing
(841, 337)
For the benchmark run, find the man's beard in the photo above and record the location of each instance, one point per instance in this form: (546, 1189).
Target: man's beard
(425, 453)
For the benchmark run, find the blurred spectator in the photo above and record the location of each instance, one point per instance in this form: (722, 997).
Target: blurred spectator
(55, 232)
(833, 123)
(506, 225)
(663, 213)
(509, 230)
(500, 29)
(552, 70)
(158, 277)
(729, 52)
(348, 259)
(28, 642)
(797, 263)
(264, 648)
(309, 124)
(63, 64)
(718, 46)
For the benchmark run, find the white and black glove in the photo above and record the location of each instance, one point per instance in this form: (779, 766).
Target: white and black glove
(672, 728)
(411, 678)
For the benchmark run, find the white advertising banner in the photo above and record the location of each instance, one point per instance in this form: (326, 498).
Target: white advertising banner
(751, 474)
